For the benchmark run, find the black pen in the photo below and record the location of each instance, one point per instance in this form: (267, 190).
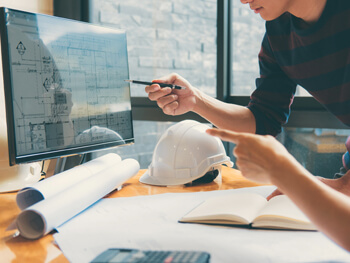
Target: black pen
(162, 85)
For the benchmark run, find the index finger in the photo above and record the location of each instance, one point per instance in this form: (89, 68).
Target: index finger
(152, 88)
(225, 135)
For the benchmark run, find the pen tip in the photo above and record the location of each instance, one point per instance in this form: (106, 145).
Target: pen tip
(127, 80)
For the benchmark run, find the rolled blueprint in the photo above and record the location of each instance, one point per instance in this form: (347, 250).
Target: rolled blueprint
(59, 182)
(44, 216)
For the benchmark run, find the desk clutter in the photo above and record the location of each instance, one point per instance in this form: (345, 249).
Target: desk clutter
(151, 223)
(51, 202)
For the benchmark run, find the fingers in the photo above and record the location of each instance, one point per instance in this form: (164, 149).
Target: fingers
(242, 141)
(170, 108)
(155, 92)
(225, 135)
(164, 101)
(166, 98)
(273, 194)
(152, 88)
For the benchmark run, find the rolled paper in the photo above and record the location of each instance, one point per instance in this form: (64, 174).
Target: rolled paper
(57, 183)
(44, 216)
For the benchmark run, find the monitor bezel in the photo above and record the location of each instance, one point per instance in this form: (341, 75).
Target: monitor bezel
(11, 137)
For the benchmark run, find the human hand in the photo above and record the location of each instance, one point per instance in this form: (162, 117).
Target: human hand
(341, 184)
(274, 193)
(173, 101)
(259, 158)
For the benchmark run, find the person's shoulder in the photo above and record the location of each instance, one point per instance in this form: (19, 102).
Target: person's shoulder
(284, 24)
(280, 25)
(335, 7)
(338, 4)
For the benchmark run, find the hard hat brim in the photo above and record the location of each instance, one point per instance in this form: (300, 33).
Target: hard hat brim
(146, 178)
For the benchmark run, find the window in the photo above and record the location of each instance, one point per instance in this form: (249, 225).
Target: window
(164, 37)
(215, 45)
(247, 33)
(248, 30)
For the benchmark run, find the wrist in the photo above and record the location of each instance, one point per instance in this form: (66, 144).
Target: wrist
(199, 98)
(288, 171)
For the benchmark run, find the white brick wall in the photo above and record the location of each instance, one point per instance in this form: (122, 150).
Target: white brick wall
(247, 34)
(166, 36)
(163, 37)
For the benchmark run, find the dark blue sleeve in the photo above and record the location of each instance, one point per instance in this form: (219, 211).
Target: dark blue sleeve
(270, 102)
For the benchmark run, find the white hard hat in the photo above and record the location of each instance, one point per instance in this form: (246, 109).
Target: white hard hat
(185, 153)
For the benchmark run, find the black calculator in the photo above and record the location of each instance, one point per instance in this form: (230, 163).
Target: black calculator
(116, 255)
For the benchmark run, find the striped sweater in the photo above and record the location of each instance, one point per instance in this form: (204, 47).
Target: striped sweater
(316, 58)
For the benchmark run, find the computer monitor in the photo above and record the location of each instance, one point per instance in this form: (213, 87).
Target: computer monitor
(64, 86)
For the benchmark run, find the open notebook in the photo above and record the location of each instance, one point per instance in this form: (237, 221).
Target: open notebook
(250, 209)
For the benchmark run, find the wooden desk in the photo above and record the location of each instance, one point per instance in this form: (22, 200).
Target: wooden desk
(18, 249)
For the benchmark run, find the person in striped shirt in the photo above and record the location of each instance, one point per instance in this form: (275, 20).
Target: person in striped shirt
(307, 43)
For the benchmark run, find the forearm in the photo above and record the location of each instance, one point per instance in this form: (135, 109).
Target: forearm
(225, 115)
(327, 208)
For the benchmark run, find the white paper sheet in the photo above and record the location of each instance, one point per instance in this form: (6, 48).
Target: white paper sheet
(44, 216)
(151, 223)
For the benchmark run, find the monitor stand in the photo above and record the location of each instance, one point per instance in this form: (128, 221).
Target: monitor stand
(13, 178)
(65, 163)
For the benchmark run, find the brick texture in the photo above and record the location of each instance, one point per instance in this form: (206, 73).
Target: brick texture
(180, 36)
(163, 37)
(166, 36)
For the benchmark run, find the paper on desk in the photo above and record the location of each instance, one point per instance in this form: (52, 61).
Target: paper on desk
(56, 184)
(44, 216)
(151, 223)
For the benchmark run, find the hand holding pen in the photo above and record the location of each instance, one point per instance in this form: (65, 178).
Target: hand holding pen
(173, 101)
(162, 85)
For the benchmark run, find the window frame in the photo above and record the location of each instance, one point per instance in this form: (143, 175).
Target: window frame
(306, 112)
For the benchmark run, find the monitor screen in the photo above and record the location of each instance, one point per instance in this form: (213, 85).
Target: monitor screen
(64, 86)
